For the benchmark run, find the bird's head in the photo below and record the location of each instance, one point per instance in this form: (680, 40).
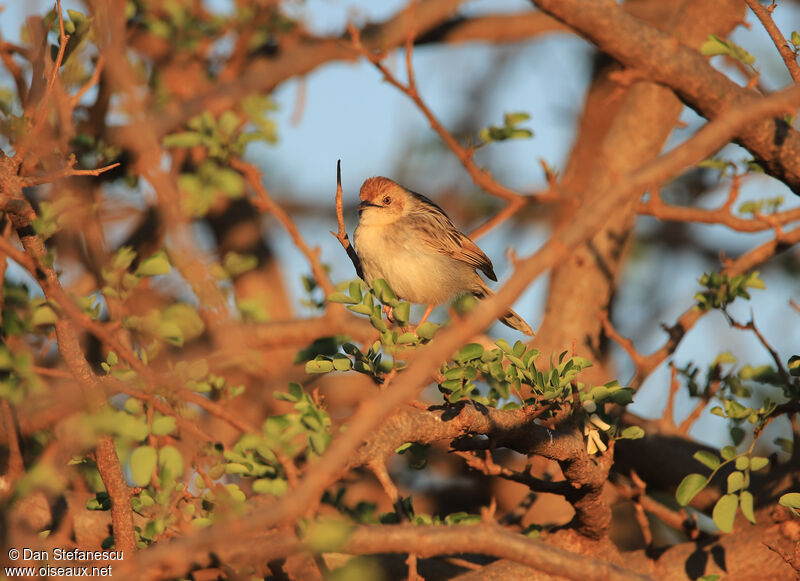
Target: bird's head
(382, 201)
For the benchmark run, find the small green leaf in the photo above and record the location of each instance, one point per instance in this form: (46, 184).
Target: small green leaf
(632, 433)
(341, 298)
(406, 338)
(707, 459)
(746, 504)
(795, 38)
(273, 486)
(401, 312)
(361, 309)
(143, 463)
(427, 330)
(790, 499)
(321, 366)
(714, 46)
(163, 425)
(758, 462)
(44, 315)
(504, 346)
(469, 352)
(170, 458)
(236, 264)
(724, 512)
(384, 293)
(154, 265)
(728, 452)
(327, 536)
(794, 365)
(735, 481)
(515, 118)
(183, 139)
(689, 487)
(742, 463)
(342, 362)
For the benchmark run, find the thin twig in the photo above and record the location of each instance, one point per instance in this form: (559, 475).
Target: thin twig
(481, 176)
(341, 235)
(674, 385)
(694, 415)
(40, 116)
(265, 202)
(788, 56)
(751, 326)
(67, 171)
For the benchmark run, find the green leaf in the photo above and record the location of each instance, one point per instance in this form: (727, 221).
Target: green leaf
(515, 118)
(504, 346)
(469, 352)
(101, 501)
(187, 319)
(632, 433)
(689, 487)
(401, 312)
(273, 486)
(163, 425)
(707, 459)
(384, 293)
(321, 366)
(406, 338)
(728, 452)
(795, 38)
(171, 459)
(742, 463)
(171, 333)
(794, 365)
(735, 481)
(154, 265)
(342, 362)
(342, 298)
(790, 499)
(714, 46)
(362, 309)
(427, 330)
(123, 258)
(229, 181)
(43, 315)
(758, 462)
(326, 536)
(183, 139)
(724, 512)
(746, 504)
(236, 264)
(143, 463)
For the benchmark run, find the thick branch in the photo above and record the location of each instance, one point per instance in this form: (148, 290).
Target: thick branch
(662, 59)
(486, 539)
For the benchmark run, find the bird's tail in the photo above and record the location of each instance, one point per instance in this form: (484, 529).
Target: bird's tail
(510, 319)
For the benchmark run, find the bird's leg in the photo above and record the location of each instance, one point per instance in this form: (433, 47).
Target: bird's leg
(428, 311)
(388, 310)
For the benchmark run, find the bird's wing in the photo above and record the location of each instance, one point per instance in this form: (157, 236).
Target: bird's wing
(439, 233)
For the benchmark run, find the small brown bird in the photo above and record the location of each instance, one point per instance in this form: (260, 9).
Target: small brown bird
(407, 240)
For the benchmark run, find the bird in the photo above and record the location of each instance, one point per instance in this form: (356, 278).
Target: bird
(406, 239)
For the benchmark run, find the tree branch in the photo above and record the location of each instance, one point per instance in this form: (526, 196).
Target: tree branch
(664, 60)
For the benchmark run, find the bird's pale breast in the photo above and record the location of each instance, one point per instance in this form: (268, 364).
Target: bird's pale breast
(415, 272)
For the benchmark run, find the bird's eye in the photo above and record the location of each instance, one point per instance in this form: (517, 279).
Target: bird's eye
(387, 200)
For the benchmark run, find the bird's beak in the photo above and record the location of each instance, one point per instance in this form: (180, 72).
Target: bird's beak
(367, 204)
